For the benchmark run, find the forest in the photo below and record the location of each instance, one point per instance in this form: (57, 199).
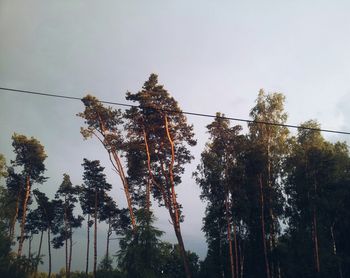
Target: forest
(277, 201)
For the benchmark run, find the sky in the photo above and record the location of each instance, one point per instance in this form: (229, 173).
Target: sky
(210, 55)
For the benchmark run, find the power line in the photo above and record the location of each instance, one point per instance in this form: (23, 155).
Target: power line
(55, 95)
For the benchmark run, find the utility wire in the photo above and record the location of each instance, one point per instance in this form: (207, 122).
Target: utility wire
(173, 111)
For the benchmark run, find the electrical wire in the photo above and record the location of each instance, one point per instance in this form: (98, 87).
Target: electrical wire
(56, 95)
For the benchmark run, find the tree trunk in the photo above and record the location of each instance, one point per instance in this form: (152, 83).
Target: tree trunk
(314, 230)
(242, 261)
(176, 220)
(279, 271)
(150, 177)
(70, 251)
(66, 250)
(13, 222)
(87, 247)
(165, 195)
(20, 245)
(109, 232)
(241, 257)
(30, 246)
(229, 236)
(272, 239)
(263, 228)
(39, 253)
(236, 248)
(120, 170)
(66, 232)
(49, 248)
(126, 189)
(95, 234)
(335, 252)
(222, 266)
(315, 241)
(182, 251)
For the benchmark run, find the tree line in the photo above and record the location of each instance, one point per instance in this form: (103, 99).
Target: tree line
(276, 203)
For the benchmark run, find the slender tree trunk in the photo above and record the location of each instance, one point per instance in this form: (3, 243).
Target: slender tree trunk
(272, 239)
(279, 270)
(70, 250)
(335, 252)
(315, 233)
(263, 228)
(108, 236)
(315, 241)
(242, 266)
(95, 234)
(49, 247)
(222, 266)
(126, 189)
(66, 232)
(120, 170)
(274, 260)
(236, 248)
(228, 222)
(13, 222)
(66, 250)
(87, 247)
(39, 253)
(166, 195)
(176, 220)
(241, 258)
(20, 245)
(150, 177)
(178, 234)
(30, 246)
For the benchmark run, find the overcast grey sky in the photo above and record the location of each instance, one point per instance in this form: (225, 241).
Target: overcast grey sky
(211, 55)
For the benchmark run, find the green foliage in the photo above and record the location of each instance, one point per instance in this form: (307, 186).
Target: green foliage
(144, 255)
(106, 264)
(171, 263)
(251, 183)
(67, 194)
(5, 249)
(155, 106)
(102, 122)
(30, 155)
(6, 208)
(48, 211)
(139, 253)
(3, 170)
(318, 190)
(219, 176)
(94, 183)
(166, 136)
(10, 264)
(105, 269)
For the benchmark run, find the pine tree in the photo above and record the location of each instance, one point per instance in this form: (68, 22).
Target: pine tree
(109, 213)
(14, 188)
(67, 194)
(139, 254)
(104, 123)
(50, 212)
(94, 195)
(38, 223)
(166, 137)
(30, 155)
